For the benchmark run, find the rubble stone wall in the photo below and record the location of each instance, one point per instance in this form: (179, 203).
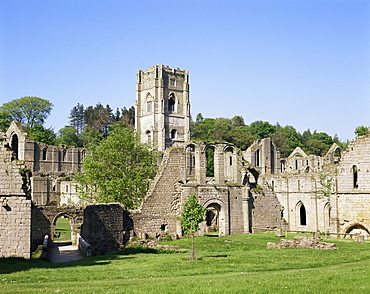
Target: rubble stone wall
(15, 228)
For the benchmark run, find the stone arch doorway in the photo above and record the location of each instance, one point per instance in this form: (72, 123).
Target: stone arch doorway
(62, 228)
(212, 217)
(358, 229)
(216, 217)
(74, 223)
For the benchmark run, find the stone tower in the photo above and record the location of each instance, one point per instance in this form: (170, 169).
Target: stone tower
(162, 108)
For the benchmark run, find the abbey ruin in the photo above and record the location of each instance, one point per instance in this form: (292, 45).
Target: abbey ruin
(244, 192)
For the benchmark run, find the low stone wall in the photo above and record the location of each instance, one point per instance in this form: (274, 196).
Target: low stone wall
(302, 242)
(15, 228)
(106, 227)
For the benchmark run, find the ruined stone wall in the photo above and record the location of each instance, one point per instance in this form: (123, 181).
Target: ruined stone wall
(44, 219)
(15, 227)
(265, 210)
(160, 209)
(304, 189)
(354, 186)
(106, 227)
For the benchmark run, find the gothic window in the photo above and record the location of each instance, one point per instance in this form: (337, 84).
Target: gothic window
(296, 164)
(210, 153)
(44, 151)
(302, 214)
(67, 188)
(15, 145)
(149, 103)
(327, 210)
(173, 134)
(190, 160)
(355, 176)
(171, 103)
(257, 157)
(149, 106)
(148, 137)
(64, 155)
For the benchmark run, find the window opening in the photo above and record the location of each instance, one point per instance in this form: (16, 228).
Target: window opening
(44, 151)
(15, 145)
(173, 134)
(210, 153)
(302, 215)
(257, 159)
(171, 103)
(355, 177)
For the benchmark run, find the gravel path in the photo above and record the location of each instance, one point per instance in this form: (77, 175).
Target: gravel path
(63, 252)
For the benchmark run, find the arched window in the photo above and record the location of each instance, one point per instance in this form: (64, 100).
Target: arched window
(173, 134)
(149, 103)
(15, 145)
(327, 210)
(171, 103)
(190, 160)
(257, 157)
(355, 176)
(64, 155)
(210, 153)
(302, 215)
(148, 137)
(67, 188)
(44, 152)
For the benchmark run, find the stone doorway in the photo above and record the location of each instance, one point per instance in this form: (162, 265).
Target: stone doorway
(212, 218)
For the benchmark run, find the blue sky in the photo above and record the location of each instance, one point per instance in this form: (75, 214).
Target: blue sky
(303, 63)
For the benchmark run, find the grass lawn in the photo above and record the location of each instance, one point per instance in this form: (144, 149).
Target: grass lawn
(62, 230)
(230, 264)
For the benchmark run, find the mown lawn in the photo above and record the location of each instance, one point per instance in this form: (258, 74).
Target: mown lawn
(230, 264)
(62, 230)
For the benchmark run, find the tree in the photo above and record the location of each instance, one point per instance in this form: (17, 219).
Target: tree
(77, 117)
(118, 169)
(41, 134)
(191, 217)
(68, 136)
(361, 131)
(28, 110)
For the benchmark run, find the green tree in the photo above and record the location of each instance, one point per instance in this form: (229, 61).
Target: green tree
(68, 136)
(191, 216)
(28, 110)
(41, 134)
(5, 120)
(118, 169)
(361, 131)
(262, 129)
(77, 117)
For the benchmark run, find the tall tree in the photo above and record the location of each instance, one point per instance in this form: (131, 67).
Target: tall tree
(28, 110)
(77, 117)
(191, 216)
(118, 169)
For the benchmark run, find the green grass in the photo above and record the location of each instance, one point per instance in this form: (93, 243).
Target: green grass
(230, 264)
(62, 230)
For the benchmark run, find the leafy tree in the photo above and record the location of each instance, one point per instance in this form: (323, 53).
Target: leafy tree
(68, 136)
(90, 136)
(118, 169)
(191, 217)
(28, 110)
(262, 129)
(5, 120)
(41, 134)
(237, 121)
(128, 116)
(361, 131)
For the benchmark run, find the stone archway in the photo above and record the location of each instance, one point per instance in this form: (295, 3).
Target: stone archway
(212, 218)
(357, 229)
